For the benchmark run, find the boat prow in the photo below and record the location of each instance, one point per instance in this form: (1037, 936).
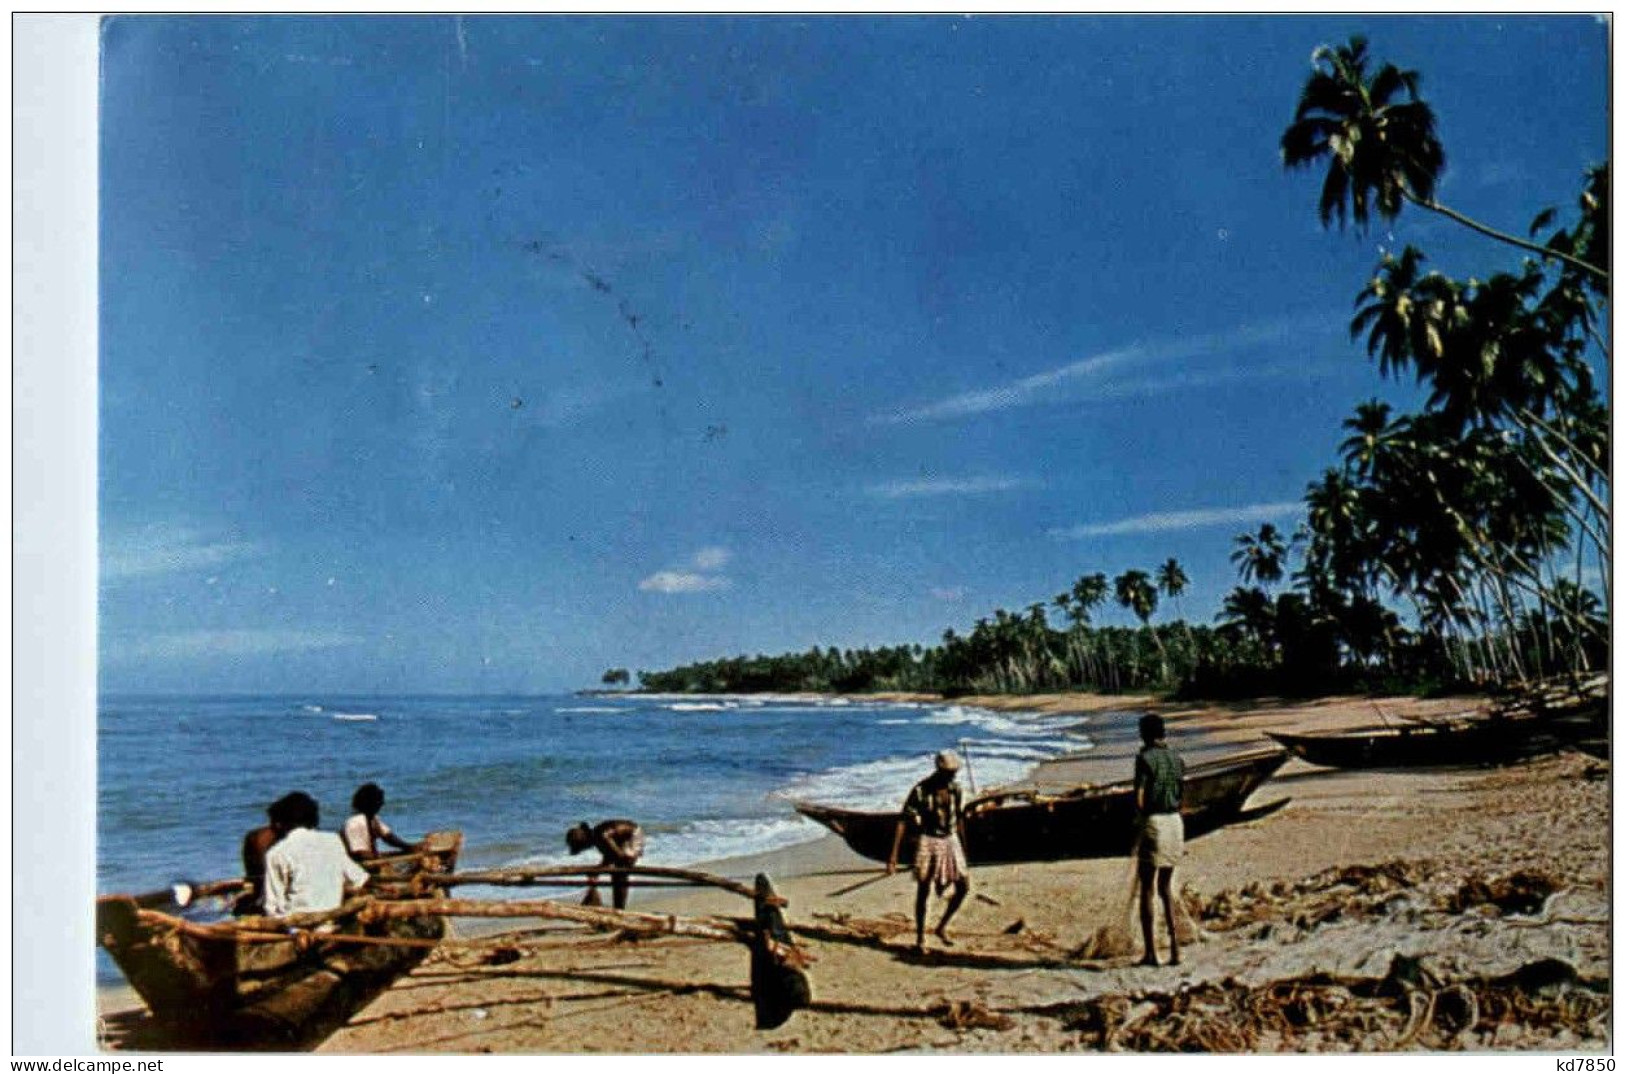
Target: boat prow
(270, 983)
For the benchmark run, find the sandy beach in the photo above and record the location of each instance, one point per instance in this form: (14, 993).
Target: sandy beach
(1436, 910)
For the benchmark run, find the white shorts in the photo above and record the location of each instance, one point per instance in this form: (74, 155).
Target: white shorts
(1162, 840)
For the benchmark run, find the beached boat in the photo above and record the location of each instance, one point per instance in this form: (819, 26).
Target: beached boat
(271, 983)
(1488, 740)
(1085, 822)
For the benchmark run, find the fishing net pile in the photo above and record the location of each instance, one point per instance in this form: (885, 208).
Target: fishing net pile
(1543, 1005)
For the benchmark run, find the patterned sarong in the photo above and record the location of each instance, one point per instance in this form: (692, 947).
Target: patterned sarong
(939, 860)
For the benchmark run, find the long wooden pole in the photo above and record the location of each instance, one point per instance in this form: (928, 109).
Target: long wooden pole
(715, 928)
(537, 882)
(519, 877)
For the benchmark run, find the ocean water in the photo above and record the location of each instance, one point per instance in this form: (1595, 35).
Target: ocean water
(181, 779)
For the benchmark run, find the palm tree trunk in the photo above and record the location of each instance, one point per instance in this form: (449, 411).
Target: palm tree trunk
(1569, 614)
(1582, 661)
(1496, 588)
(1492, 663)
(1522, 244)
(1535, 427)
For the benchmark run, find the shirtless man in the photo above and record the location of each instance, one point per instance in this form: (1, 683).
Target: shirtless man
(621, 844)
(255, 845)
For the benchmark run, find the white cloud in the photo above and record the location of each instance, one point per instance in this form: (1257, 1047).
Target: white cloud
(1091, 376)
(710, 559)
(1167, 521)
(681, 582)
(946, 486)
(203, 643)
(1024, 392)
(697, 574)
(955, 592)
(168, 549)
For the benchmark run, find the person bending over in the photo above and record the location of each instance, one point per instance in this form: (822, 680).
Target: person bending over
(620, 842)
(1159, 781)
(934, 812)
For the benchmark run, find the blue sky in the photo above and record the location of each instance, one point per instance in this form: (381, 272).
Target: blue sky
(484, 354)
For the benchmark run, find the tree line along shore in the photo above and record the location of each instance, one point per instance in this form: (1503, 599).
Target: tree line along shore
(1465, 544)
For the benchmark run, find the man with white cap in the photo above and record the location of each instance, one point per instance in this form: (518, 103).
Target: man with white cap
(934, 812)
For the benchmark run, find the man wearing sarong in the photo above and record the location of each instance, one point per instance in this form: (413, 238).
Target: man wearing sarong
(934, 812)
(1159, 782)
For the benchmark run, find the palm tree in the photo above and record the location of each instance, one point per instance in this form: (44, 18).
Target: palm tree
(1251, 611)
(1405, 314)
(1172, 580)
(1372, 435)
(1377, 136)
(1262, 557)
(1088, 592)
(1136, 593)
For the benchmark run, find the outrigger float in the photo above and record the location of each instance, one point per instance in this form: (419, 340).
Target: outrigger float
(286, 984)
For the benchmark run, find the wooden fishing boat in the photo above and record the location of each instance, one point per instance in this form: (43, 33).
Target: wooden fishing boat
(1085, 822)
(271, 983)
(1491, 740)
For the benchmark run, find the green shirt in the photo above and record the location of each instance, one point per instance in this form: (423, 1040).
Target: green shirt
(1160, 772)
(933, 810)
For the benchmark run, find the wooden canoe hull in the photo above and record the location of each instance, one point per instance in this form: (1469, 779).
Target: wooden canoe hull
(213, 990)
(1423, 745)
(1090, 822)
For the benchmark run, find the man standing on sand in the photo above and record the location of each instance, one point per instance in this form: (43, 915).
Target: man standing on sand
(934, 812)
(1159, 782)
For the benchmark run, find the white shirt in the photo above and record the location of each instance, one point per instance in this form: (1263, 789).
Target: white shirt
(307, 870)
(362, 839)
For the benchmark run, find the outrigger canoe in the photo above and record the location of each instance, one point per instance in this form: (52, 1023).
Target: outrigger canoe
(1491, 740)
(1085, 822)
(271, 983)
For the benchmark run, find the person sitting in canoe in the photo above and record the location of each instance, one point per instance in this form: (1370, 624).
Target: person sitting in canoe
(620, 842)
(363, 830)
(255, 845)
(307, 869)
(1159, 782)
(934, 812)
